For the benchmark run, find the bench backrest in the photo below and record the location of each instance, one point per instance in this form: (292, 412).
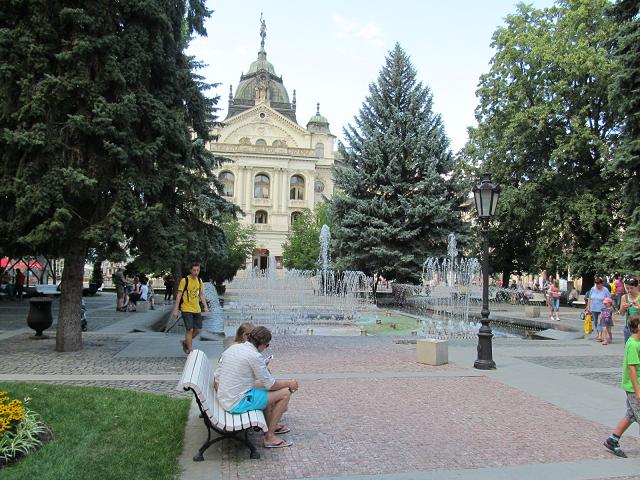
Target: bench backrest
(538, 297)
(197, 376)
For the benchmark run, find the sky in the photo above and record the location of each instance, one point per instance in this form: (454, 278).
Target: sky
(331, 51)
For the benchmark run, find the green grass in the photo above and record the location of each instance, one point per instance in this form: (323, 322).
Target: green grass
(404, 325)
(102, 433)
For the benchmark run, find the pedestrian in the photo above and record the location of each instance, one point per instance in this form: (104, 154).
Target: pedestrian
(169, 284)
(618, 291)
(190, 300)
(630, 303)
(631, 387)
(606, 320)
(120, 283)
(594, 306)
(19, 285)
(554, 296)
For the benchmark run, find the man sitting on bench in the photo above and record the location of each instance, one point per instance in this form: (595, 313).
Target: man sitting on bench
(240, 368)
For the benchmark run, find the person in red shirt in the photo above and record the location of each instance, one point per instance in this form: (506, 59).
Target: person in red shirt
(20, 278)
(618, 291)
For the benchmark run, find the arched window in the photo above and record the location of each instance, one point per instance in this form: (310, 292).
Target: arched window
(319, 150)
(261, 141)
(261, 186)
(261, 217)
(227, 179)
(296, 188)
(318, 187)
(295, 216)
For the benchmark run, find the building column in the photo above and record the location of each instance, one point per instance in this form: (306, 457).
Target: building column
(309, 190)
(285, 191)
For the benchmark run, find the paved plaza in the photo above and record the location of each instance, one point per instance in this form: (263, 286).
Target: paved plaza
(365, 408)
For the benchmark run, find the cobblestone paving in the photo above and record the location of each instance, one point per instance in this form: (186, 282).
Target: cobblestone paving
(608, 378)
(370, 426)
(22, 355)
(577, 361)
(312, 354)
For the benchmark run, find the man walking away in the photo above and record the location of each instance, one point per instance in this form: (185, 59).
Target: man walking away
(188, 300)
(20, 278)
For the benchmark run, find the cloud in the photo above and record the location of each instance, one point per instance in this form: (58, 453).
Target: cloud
(352, 29)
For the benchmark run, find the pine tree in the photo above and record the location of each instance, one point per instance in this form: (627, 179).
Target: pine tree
(399, 200)
(624, 95)
(104, 127)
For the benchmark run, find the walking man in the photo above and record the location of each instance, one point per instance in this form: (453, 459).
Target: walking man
(20, 278)
(189, 299)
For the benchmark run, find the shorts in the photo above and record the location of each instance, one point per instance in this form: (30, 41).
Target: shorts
(254, 399)
(633, 407)
(192, 320)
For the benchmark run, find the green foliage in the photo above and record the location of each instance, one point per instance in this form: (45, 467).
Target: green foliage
(401, 198)
(24, 439)
(102, 433)
(104, 130)
(240, 242)
(546, 131)
(302, 247)
(623, 94)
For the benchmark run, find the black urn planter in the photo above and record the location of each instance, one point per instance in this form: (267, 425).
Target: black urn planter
(40, 317)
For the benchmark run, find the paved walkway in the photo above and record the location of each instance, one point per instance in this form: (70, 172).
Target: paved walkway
(365, 409)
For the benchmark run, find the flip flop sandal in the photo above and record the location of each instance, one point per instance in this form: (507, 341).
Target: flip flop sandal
(282, 444)
(282, 430)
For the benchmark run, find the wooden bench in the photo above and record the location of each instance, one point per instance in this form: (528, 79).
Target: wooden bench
(197, 377)
(538, 299)
(47, 290)
(580, 302)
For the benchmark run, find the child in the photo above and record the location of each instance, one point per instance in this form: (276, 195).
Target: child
(554, 293)
(630, 385)
(605, 321)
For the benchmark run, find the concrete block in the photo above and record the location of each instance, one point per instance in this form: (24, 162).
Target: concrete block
(531, 311)
(432, 352)
(142, 307)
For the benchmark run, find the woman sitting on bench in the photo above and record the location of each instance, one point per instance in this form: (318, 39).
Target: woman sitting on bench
(240, 368)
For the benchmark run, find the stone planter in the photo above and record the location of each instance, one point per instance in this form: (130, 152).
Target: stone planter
(40, 317)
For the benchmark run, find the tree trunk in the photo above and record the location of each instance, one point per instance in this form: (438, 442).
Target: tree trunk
(588, 280)
(69, 332)
(177, 276)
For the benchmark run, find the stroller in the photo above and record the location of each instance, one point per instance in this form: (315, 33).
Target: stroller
(83, 316)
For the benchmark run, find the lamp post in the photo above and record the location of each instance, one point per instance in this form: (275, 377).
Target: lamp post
(486, 196)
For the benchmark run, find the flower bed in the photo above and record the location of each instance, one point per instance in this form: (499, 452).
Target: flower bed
(21, 430)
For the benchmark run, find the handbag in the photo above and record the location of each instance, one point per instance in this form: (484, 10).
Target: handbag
(587, 324)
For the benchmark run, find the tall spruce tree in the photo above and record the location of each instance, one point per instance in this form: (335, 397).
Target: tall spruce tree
(399, 198)
(104, 126)
(624, 96)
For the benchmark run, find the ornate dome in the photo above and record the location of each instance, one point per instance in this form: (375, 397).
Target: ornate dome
(318, 122)
(261, 85)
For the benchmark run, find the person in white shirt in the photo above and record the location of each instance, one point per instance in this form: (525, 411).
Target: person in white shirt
(240, 368)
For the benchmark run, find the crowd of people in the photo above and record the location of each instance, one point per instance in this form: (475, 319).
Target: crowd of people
(130, 292)
(13, 285)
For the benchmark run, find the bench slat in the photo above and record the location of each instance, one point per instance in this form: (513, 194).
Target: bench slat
(197, 376)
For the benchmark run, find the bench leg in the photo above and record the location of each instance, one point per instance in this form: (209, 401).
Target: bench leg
(199, 457)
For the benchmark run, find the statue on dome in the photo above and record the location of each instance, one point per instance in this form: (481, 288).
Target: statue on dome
(263, 31)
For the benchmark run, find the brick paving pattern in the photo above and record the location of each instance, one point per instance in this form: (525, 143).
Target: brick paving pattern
(160, 387)
(312, 354)
(577, 361)
(369, 426)
(22, 355)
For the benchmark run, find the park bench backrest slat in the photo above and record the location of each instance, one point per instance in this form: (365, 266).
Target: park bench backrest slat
(197, 376)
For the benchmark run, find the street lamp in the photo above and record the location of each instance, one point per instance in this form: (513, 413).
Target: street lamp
(486, 196)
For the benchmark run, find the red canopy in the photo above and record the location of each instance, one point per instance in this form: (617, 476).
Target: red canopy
(32, 264)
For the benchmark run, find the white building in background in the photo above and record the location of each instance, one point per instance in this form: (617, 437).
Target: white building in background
(278, 167)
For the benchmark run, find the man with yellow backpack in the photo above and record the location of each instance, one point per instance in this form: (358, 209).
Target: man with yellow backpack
(190, 300)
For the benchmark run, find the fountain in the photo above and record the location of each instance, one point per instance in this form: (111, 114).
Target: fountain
(292, 298)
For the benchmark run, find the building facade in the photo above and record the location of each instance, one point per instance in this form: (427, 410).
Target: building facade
(278, 168)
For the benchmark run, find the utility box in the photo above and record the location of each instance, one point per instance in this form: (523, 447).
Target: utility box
(432, 352)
